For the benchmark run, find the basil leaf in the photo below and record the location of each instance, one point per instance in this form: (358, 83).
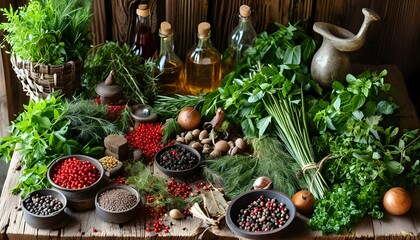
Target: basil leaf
(394, 167)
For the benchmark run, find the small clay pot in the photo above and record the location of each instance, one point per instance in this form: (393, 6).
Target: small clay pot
(109, 92)
(142, 113)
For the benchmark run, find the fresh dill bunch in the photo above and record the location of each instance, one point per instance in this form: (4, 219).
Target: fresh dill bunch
(238, 173)
(88, 122)
(170, 106)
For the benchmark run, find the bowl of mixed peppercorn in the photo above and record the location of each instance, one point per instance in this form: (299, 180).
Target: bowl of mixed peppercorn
(78, 177)
(260, 214)
(178, 160)
(44, 209)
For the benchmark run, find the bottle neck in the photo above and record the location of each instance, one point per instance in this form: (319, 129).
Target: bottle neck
(144, 23)
(203, 40)
(166, 44)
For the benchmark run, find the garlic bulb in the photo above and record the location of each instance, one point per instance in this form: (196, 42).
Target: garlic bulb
(263, 183)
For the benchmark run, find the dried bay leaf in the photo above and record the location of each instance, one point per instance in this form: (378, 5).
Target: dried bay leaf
(214, 203)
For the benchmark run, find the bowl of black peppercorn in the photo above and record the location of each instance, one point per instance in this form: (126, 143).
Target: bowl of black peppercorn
(44, 209)
(261, 214)
(178, 160)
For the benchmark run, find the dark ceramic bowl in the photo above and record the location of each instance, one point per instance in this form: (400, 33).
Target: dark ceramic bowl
(177, 173)
(114, 216)
(83, 198)
(55, 220)
(243, 200)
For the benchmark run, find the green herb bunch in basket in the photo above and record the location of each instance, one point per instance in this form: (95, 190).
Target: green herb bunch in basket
(48, 40)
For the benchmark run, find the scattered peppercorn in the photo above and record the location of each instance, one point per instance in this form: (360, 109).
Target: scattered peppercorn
(117, 200)
(263, 215)
(42, 204)
(147, 137)
(75, 174)
(177, 158)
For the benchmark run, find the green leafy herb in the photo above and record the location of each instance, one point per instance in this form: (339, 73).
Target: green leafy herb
(49, 31)
(237, 173)
(50, 128)
(169, 106)
(134, 74)
(369, 157)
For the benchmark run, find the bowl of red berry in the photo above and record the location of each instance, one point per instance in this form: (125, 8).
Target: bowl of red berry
(78, 177)
(178, 160)
(260, 214)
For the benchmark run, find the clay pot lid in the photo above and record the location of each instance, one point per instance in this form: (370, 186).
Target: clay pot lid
(245, 11)
(143, 113)
(108, 88)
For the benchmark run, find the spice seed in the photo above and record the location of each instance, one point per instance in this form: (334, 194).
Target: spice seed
(117, 200)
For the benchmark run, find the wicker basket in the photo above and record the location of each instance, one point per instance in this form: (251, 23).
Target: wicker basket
(39, 80)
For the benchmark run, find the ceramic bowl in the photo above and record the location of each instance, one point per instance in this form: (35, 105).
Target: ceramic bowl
(83, 198)
(55, 220)
(243, 200)
(117, 216)
(177, 173)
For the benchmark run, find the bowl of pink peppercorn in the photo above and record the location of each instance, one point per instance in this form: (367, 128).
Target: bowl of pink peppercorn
(78, 177)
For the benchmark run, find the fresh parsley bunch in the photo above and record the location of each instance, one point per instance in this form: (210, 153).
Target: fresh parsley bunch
(49, 31)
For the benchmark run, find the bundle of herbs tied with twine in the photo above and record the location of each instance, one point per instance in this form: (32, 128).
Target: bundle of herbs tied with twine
(48, 40)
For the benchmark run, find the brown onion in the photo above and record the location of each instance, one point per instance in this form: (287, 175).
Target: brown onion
(304, 202)
(189, 118)
(397, 201)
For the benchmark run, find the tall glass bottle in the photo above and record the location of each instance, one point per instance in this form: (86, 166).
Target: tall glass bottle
(202, 64)
(144, 44)
(240, 39)
(170, 66)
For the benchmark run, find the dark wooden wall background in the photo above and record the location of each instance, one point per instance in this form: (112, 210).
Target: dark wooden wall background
(395, 39)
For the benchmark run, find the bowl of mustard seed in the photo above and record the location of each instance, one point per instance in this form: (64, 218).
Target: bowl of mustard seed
(117, 203)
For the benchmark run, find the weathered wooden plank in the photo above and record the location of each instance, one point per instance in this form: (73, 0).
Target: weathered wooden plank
(98, 26)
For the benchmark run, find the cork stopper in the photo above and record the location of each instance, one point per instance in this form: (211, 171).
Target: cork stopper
(143, 10)
(204, 28)
(165, 28)
(245, 11)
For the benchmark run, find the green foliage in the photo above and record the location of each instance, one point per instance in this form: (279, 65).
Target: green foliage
(170, 106)
(237, 173)
(50, 128)
(369, 157)
(276, 62)
(133, 74)
(49, 31)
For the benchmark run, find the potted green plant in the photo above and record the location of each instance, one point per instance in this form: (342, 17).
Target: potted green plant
(48, 40)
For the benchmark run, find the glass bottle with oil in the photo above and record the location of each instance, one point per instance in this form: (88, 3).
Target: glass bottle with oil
(202, 64)
(169, 65)
(239, 40)
(144, 43)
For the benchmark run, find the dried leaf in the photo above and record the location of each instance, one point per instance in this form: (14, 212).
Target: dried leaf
(197, 212)
(214, 203)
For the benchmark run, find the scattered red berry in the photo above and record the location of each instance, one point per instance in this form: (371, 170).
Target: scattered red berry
(147, 137)
(94, 230)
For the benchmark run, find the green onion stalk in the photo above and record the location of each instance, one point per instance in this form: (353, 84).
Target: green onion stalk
(291, 128)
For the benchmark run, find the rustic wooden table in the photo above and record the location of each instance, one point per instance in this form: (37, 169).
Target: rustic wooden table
(13, 226)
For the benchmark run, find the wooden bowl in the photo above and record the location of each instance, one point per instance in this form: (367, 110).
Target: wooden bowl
(117, 216)
(54, 220)
(177, 173)
(83, 198)
(243, 200)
